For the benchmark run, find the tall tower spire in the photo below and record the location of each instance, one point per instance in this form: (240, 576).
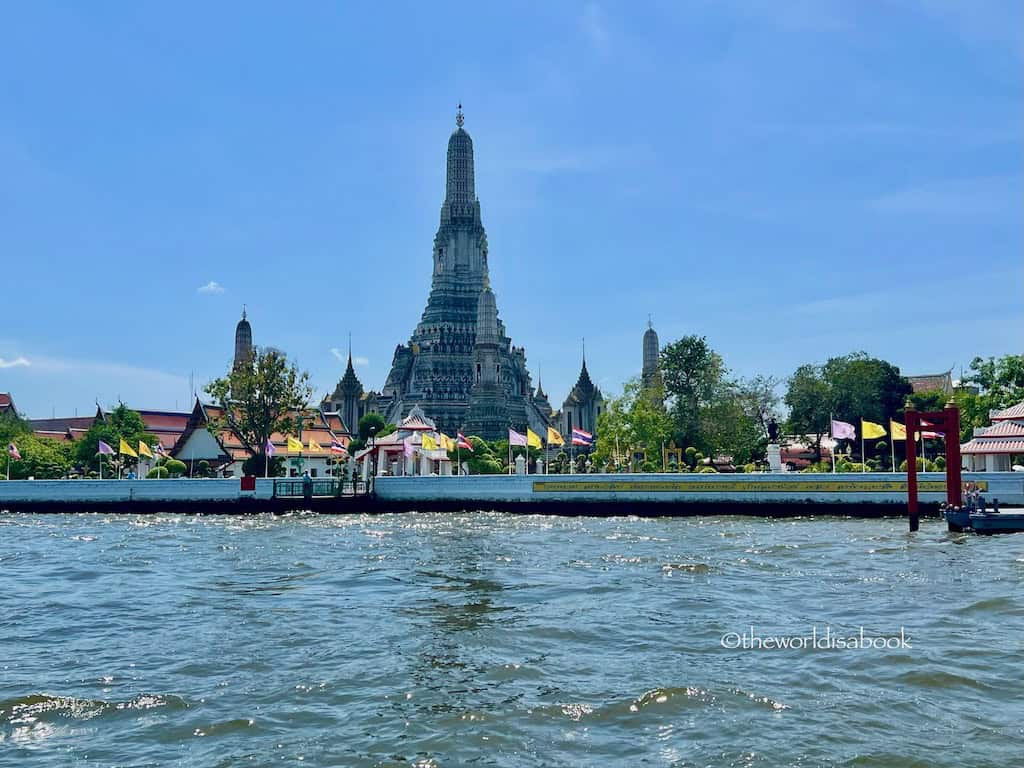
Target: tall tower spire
(461, 189)
(650, 375)
(459, 366)
(243, 341)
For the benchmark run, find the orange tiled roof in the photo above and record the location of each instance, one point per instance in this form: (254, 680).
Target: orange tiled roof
(1013, 412)
(1007, 428)
(983, 446)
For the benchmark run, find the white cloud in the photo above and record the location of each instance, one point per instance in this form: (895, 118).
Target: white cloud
(343, 358)
(18, 362)
(211, 287)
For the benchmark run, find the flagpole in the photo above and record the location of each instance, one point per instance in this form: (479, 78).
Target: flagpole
(892, 447)
(863, 458)
(831, 429)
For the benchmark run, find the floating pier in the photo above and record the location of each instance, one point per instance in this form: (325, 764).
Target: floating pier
(771, 495)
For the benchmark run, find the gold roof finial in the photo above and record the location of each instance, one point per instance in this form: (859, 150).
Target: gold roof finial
(459, 119)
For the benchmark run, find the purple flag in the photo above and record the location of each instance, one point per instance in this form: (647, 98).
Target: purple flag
(269, 448)
(104, 448)
(843, 431)
(514, 438)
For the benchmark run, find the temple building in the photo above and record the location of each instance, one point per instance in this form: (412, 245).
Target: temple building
(459, 365)
(582, 407)
(995, 448)
(349, 400)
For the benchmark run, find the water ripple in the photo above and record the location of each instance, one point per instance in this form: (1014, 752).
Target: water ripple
(487, 639)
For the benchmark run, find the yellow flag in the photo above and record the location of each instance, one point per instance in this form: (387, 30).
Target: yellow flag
(144, 450)
(869, 430)
(532, 438)
(428, 443)
(314, 446)
(294, 445)
(554, 438)
(899, 431)
(447, 443)
(126, 450)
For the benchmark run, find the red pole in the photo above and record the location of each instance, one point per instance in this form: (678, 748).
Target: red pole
(953, 480)
(911, 421)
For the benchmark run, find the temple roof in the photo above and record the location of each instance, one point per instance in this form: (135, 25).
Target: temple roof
(584, 389)
(1002, 428)
(1013, 412)
(931, 382)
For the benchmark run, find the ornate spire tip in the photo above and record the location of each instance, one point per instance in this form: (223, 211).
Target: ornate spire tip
(459, 118)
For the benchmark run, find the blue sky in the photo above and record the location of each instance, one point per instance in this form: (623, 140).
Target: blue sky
(772, 175)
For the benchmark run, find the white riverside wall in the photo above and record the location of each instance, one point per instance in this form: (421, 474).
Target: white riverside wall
(870, 488)
(873, 488)
(129, 490)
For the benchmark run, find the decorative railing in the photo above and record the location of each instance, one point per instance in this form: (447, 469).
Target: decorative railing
(316, 488)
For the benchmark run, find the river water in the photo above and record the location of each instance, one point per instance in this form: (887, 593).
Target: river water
(490, 639)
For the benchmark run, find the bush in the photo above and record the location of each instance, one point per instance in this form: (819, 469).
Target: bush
(707, 471)
(940, 463)
(157, 473)
(750, 467)
(925, 465)
(175, 468)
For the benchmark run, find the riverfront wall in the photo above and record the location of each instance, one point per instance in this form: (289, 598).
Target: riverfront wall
(870, 494)
(771, 494)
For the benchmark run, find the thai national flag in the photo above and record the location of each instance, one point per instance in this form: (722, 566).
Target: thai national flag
(462, 442)
(337, 447)
(579, 437)
(12, 451)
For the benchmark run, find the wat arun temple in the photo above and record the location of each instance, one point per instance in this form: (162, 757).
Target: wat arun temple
(459, 367)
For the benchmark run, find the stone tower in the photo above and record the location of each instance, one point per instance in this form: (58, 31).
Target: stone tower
(650, 376)
(488, 412)
(437, 369)
(243, 342)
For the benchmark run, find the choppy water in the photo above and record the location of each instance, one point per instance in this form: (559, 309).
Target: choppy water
(486, 639)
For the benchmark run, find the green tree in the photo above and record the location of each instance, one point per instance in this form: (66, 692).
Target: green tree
(482, 460)
(928, 401)
(41, 457)
(634, 421)
(864, 387)
(120, 423)
(260, 398)
(730, 427)
(369, 424)
(1001, 379)
(759, 399)
(693, 374)
(809, 400)
(1000, 384)
(12, 426)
